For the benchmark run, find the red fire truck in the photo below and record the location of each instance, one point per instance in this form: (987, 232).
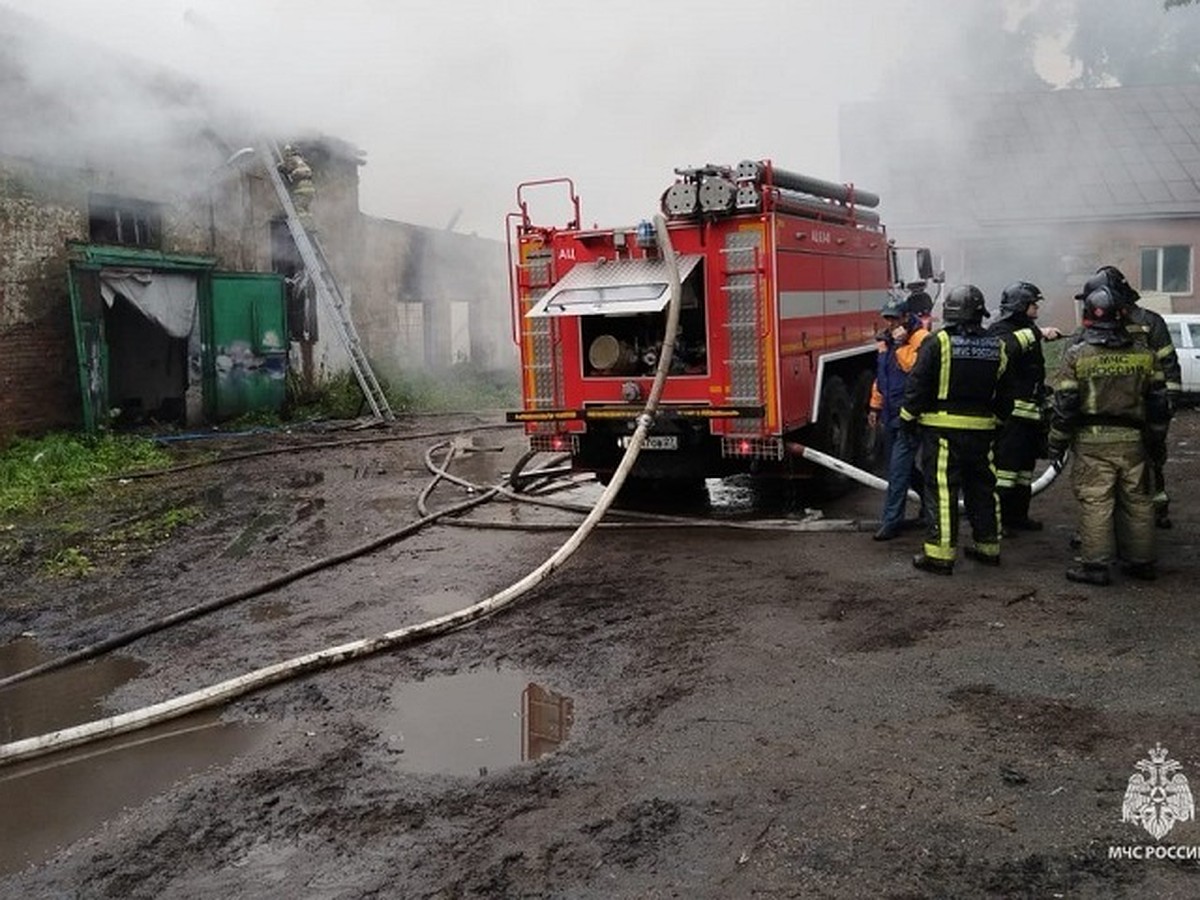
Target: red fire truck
(783, 276)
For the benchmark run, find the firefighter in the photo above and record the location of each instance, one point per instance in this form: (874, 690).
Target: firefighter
(902, 338)
(1109, 393)
(1147, 329)
(957, 391)
(300, 180)
(1022, 437)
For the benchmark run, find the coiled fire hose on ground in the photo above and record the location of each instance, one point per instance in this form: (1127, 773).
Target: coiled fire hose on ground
(225, 691)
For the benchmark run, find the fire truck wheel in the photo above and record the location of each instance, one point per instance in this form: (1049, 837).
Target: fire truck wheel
(835, 430)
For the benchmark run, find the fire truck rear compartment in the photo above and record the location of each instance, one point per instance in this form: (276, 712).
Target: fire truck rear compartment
(629, 345)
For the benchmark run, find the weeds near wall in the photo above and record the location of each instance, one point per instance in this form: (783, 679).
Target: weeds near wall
(460, 388)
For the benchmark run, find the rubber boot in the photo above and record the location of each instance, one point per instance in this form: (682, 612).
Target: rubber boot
(987, 559)
(1162, 513)
(1014, 510)
(1143, 571)
(1090, 573)
(936, 566)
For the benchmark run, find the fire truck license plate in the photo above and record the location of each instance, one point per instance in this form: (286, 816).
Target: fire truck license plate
(655, 442)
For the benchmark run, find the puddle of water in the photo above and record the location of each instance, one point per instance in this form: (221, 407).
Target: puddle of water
(475, 722)
(478, 461)
(270, 610)
(58, 699)
(51, 802)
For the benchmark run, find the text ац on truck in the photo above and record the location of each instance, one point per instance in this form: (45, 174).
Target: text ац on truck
(783, 276)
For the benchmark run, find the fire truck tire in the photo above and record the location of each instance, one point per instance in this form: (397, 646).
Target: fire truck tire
(835, 430)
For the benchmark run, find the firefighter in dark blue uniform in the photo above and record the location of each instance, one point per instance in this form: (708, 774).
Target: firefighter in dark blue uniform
(1021, 439)
(956, 394)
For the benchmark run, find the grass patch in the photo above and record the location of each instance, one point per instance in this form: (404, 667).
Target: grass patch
(70, 562)
(35, 472)
(461, 388)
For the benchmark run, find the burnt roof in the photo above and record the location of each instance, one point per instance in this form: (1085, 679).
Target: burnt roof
(1050, 156)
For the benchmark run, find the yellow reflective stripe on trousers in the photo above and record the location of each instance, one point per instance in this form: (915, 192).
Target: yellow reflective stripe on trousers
(958, 421)
(1026, 409)
(1006, 478)
(942, 550)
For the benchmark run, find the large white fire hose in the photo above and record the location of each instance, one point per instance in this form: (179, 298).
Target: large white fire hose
(225, 691)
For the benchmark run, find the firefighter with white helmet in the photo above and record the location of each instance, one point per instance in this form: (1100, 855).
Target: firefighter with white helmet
(956, 393)
(1109, 393)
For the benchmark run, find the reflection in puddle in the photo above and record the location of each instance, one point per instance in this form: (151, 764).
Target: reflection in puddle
(58, 699)
(475, 722)
(50, 802)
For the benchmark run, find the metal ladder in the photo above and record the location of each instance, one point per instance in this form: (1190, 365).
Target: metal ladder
(317, 271)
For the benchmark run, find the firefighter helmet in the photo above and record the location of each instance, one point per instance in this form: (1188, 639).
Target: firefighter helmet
(1102, 309)
(919, 303)
(1114, 279)
(964, 303)
(1016, 298)
(893, 308)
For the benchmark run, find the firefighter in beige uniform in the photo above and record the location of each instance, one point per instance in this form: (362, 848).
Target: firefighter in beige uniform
(1110, 404)
(300, 180)
(1148, 329)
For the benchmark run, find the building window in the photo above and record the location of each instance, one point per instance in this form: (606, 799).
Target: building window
(1167, 269)
(121, 220)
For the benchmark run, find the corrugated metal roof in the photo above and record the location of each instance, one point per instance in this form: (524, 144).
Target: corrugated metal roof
(1042, 156)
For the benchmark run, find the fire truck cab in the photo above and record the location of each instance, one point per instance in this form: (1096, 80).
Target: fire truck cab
(782, 276)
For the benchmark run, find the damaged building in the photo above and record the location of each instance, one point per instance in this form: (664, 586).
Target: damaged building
(1042, 185)
(147, 275)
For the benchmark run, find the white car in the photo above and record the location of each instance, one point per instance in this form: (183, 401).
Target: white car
(1185, 335)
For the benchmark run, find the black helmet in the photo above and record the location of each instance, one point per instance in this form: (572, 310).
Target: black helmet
(964, 303)
(919, 303)
(1102, 309)
(1016, 298)
(1114, 279)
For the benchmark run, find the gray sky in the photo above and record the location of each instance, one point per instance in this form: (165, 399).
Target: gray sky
(457, 101)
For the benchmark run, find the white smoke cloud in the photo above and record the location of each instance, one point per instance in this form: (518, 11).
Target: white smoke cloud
(456, 103)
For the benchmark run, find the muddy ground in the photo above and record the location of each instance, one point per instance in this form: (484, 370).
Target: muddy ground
(679, 712)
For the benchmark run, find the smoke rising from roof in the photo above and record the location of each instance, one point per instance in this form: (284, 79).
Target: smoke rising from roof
(457, 103)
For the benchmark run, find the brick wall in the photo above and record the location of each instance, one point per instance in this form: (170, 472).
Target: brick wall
(39, 389)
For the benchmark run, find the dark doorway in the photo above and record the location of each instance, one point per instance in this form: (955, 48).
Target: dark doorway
(148, 369)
